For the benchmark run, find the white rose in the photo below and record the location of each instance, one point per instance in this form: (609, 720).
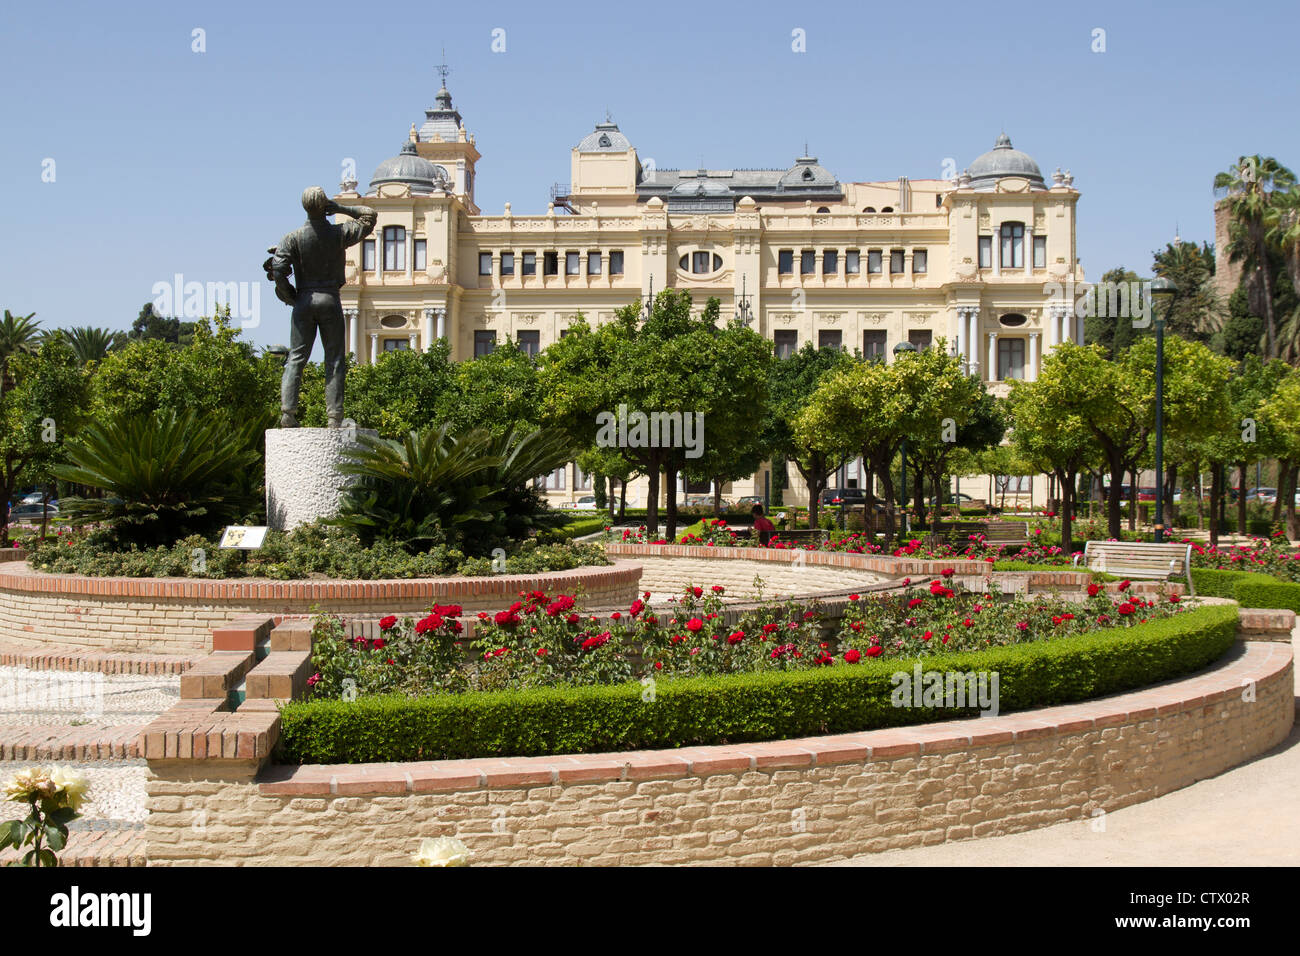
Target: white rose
(24, 783)
(73, 785)
(442, 851)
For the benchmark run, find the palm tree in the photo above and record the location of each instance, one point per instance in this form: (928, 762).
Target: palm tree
(90, 344)
(1196, 311)
(18, 333)
(1249, 190)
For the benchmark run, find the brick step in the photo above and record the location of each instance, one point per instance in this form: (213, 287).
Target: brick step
(103, 662)
(61, 742)
(116, 846)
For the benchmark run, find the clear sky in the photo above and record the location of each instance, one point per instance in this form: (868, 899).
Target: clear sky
(172, 161)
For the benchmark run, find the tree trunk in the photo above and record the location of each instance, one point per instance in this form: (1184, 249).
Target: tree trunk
(1292, 531)
(622, 500)
(1199, 488)
(1241, 497)
(652, 500)
(1216, 491)
(717, 497)
(1132, 497)
(1113, 497)
(670, 518)
(936, 523)
(918, 497)
(869, 490)
(891, 516)
(1266, 277)
(1067, 479)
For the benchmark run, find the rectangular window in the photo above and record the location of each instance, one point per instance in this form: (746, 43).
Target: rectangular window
(852, 262)
(581, 480)
(920, 261)
(920, 338)
(873, 345)
(593, 263)
(552, 482)
(507, 263)
(485, 340)
(896, 262)
(563, 332)
(368, 256)
(485, 263)
(396, 345)
(829, 339)
(1040, 252)
(572, 264)
(421, 245)
(700, 263)
(807, 262)
(1013, 245)
(530, 341)
(550, 263)
(873, 261)
(1012, 484)
(528, 266)
(394, 249)
(830, 262)
(986, 252)
(785, 262)
(787, 342)
(1011, 359)
(616, 262)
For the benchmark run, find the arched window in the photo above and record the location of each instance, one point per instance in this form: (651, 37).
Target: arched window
(807, 174)
(886, 208)
(868, 208)
(822, 209)
(604, 141)
(394, 249)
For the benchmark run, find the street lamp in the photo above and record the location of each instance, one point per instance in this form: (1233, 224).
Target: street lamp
(901, 349)
(1162, 292)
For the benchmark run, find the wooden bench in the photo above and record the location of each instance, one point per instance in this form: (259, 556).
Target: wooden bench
(803, 535)
(1139, 559)
(995, 532)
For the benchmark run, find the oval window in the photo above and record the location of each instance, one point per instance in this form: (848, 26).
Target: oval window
(393, 322)
(1013, 320)
(717, 263)
(684, 263)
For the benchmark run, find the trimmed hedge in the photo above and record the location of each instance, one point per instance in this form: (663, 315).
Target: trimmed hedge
(741, 707)
(1247, 588)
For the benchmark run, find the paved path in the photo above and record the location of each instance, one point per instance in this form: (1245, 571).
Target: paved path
(1244, 817)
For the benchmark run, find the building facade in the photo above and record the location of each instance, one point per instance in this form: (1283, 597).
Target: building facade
(800, 254)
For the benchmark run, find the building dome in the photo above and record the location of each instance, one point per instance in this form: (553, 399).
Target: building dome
(412, 169)
(701, 187)
(807, 172)
(1004, 160)
(605, 138)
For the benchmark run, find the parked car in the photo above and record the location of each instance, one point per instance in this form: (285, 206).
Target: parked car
(746, 503)
(962, 500)
(32, 512)
(1263, 495)
(585, 503)
(847, 496)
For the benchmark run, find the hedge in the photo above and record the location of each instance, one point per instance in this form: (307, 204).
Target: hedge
(741, 707)
(1247, 588)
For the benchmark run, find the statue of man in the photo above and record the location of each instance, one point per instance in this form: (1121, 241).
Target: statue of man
(313, 253)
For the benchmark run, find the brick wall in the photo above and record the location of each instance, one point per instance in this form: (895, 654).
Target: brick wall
(175, 616)
(670, 575)
(783, 802)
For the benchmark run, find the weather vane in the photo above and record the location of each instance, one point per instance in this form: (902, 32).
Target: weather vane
(442, 67)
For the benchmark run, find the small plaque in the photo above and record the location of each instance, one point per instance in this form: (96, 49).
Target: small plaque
(243, 537)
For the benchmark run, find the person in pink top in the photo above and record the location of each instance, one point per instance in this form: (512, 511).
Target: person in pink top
(764, 527)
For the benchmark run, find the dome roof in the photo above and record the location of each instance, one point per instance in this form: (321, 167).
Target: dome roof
(411, 168)
(441, 120)
(1004, 160)
(806, 172)
(606, 138)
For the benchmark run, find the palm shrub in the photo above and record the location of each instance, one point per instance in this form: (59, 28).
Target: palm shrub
(162, 476)
(472, 491)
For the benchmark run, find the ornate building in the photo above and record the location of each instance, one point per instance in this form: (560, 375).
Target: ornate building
(800, 254)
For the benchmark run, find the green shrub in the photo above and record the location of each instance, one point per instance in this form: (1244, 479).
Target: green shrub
(1258, 590)
(1220, 584)
(574, 528)
(741, 707)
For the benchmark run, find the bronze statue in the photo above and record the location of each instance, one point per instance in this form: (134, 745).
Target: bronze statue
(313, 253)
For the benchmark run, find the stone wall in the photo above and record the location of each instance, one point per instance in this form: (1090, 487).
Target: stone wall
(175, 616)
(784, 802)
(667, 575)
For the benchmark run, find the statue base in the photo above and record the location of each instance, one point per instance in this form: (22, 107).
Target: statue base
(301, 482)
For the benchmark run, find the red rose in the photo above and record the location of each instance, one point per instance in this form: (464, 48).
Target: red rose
(378, 642)
(391, 661)
(694, 624)
(541, 652)
(572, 619)
(448, 610)
(387, 622)
(637, 607)
(1094, 590)
(1126, 608)
(659, 665)
(875, 651)
(853, 597)
(698, 592)
(947, 572)
(717, 589)
(1174, 599)
(915, 602)
(736, 637)
(853, 656)
(1123, 585)
(927, 635)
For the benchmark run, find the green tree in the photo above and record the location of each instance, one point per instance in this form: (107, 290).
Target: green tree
(19, 334)
(1196, 310)
(91, 344)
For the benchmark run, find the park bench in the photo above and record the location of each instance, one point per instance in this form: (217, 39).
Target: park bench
(1139, 560)
(803, 535)
(995, 532)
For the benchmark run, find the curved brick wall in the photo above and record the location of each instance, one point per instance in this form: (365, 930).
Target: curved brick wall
(783, 802)
(177, 615)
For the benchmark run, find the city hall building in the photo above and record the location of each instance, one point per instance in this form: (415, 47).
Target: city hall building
(796, 252)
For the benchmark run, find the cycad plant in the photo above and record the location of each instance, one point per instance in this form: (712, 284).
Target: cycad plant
(163, 476)
(472, 491)
(90, 344)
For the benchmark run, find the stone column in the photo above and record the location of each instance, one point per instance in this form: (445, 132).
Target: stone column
(442, 323)
(428, 326)
(374, 348)
(1053, 335)
(993, 357)
(973, 341)
(1035, 357)
(1027, 249)
(1079, 326)
(955, 338)
(351, 316)
(415, 341)
(997, 250)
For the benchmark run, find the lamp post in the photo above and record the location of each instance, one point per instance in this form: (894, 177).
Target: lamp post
(1162, 291)
(901, 349)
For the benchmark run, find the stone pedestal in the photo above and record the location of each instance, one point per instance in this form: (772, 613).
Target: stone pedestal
(301, 482)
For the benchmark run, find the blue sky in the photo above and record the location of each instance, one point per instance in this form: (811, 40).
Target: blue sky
(169, 161)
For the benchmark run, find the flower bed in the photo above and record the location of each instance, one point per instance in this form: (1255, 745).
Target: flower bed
(744, 706)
